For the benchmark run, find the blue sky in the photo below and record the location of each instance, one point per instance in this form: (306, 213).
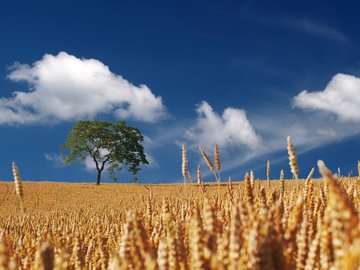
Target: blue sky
(243, 74)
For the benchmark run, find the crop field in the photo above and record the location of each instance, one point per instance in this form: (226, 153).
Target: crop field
(277, 224)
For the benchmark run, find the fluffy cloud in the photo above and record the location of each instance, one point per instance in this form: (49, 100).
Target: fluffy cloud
(341, 97)
(64, 87)
(231, 129)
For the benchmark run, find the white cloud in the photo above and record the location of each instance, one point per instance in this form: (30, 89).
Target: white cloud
(55, 159)
(64, 87)
(152, 162)
(340, 97)
(231, 129)
(148, 145)
(90, 164)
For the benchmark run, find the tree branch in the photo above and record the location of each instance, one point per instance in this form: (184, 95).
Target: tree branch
(96, 162)
(103, 163)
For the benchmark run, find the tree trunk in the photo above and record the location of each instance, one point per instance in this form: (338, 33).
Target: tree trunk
(98, 177)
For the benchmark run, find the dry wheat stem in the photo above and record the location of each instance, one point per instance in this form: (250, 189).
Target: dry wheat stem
(184, 166)
(268, 172)
(18, 186)
(292, 158)
(217, 160)
(208, 163)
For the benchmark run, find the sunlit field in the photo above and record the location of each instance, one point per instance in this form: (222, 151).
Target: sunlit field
(277, 224)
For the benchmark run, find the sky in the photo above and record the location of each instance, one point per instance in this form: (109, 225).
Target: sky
(242, 74)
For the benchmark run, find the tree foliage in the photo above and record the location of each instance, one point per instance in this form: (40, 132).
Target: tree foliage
(115, 145)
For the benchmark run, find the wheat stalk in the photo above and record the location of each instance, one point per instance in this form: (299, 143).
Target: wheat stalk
(208, 163)
(199, 180)
(268, 173)
(282, 182)
(198, 175)
(292, 158)
(252, 179)
(207, 159)
(18, 186)
(217, 160)
(344, 221)
(184, 166)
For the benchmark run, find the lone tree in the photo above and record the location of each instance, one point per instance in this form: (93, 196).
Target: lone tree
(114, 144)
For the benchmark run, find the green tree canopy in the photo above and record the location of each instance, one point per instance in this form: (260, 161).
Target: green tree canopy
(113, 144)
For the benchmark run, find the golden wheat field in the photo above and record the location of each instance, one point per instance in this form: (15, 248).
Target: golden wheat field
(278, 224)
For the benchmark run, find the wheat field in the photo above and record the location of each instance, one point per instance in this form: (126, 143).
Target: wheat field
(277, 224)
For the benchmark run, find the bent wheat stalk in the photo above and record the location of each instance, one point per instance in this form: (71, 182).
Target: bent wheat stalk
(208, 162)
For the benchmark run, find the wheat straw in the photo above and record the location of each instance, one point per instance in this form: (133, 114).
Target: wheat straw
(18, 185)
(184, 167)
(292, 158)
(268, 173)
(217, 160)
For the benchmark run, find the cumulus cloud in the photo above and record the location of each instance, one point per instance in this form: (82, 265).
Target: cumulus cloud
(231, 129)
(340, 97)
(63, 87)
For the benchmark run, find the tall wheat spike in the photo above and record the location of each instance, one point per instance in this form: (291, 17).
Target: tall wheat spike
(207, 159)
(249, 190)
(184, 166)
(282, 182)
(198, 175)
(217, 160)
(292, 158)
(199, 180)
(208, 163)
(252, 179)
(268, 173)
(18, 186)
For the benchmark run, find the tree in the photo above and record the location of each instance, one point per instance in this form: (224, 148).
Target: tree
(113, 144)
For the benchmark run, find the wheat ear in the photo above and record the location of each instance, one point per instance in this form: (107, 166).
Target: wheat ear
(282, 183)
(208, 162)
(18, 186)
(217, 160)
(344, 222)
(268, 173)
(184, 166)
(292, 158)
